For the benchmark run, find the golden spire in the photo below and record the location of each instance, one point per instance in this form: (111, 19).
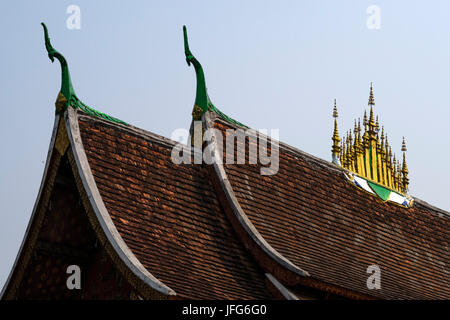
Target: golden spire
(359, 126)
(371, 98)
(368, 153)
(387, 148)
(404, 167)
(365, 135)
(351, 151)
(335, 112)
(335, 149)
(344, 152)
(371, 124)
(399, 173)
(395, 173)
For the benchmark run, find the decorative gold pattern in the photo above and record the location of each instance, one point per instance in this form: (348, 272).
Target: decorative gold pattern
(60, 102)
(62, 140)
(197, 113)
(369, 154)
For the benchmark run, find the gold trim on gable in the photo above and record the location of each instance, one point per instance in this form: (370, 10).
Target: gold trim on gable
(62, 139)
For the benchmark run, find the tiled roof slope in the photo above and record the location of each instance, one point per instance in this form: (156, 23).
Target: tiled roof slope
(310, 214)
(168, 215)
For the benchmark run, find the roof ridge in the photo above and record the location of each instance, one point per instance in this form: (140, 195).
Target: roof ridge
(130, 129)
(312, 159)
(331, 166)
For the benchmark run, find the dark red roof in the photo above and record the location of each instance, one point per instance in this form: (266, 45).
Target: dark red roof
(173, 219)
(219, 231)
(320, 222)
(169, 215)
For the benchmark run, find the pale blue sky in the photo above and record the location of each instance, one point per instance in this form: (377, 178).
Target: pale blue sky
(268, 64)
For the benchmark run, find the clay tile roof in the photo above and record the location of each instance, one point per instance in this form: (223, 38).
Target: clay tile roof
(332, 230)
(219, 231)
(168, 215)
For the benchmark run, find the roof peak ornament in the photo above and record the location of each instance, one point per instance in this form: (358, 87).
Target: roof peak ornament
(66, 96)
(202, 102)
(201, 96)
(67, 92)
(369, 160)
(336, 148)
(371, 98)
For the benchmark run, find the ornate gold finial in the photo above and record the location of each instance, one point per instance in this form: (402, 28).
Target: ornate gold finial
(400, 178)
(367, 152)
(335, 149)
(359, 131)
(371, 98)
(404, 145)
(394, 171)
(371, 124)
(344, 152)
(335, 111)
(404, 168)
(351, 151)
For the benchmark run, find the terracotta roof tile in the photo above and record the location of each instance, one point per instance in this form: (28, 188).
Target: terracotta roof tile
(169, 214)
(315, 218)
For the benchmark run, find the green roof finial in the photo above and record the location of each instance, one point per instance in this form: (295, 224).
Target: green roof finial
(201, 97)
(67, 96)
(66, 84)
(202, 101)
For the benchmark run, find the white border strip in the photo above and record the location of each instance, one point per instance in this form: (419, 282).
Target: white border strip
(239, 212)
(288, 295)
(101, 212)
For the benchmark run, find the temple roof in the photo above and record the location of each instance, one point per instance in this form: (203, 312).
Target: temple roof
(168, 215)
(316, 229)
(226, 231)
(331, 229)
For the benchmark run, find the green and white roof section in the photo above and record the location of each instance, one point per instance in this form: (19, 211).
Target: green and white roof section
(385, 194)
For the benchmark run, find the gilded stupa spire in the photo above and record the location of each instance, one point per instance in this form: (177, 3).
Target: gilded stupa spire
(404, 166)
(371, 98)
(335, 149)
(371, 124)
(368, 153)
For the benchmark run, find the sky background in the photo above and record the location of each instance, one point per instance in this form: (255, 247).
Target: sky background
(268, 64)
